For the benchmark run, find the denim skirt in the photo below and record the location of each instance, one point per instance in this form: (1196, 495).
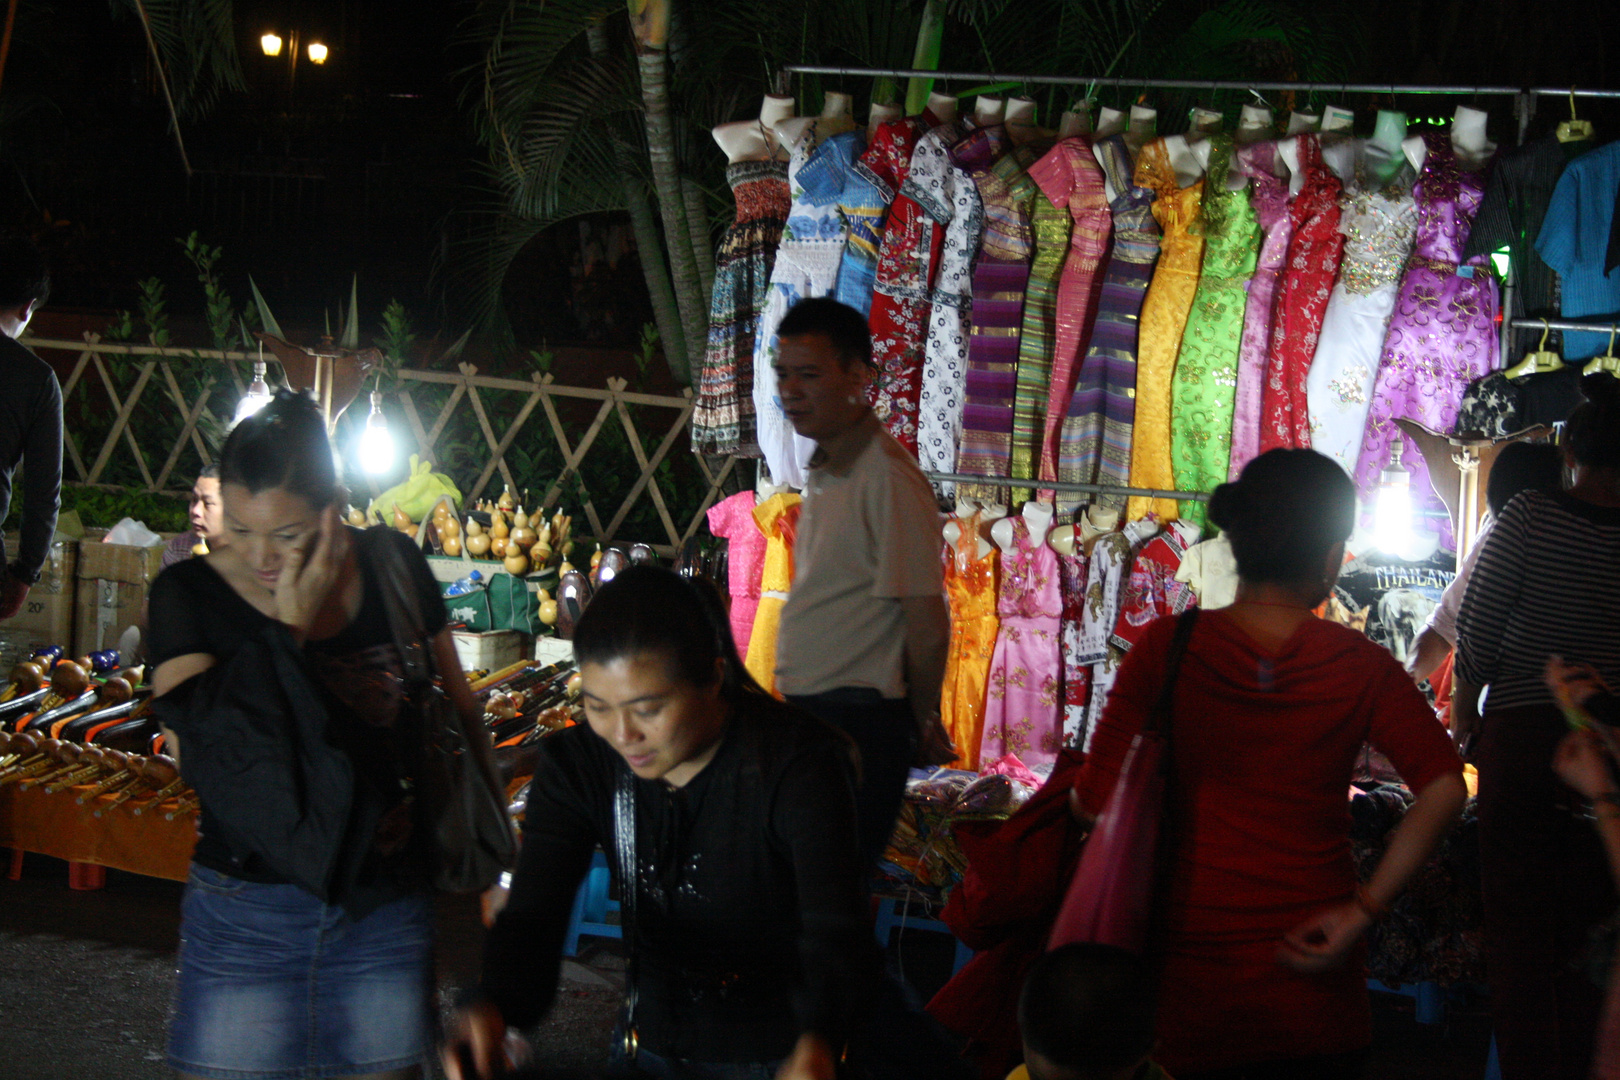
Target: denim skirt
(274, 983)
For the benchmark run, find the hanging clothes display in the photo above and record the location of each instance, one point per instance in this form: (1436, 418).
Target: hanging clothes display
(1050, 226)
(723, 412)
(1072, 181)
(1379, 222)
(1152, 588)
(1164, 317)
(777, 520)
(1442, 335)
(1573, 241)
(950, 318)
(733, 520)
(972, 588)
(913, 240)
(1111, 559)
(871, 187)
(999, 279)
(1268, 196)
(1202, 395)
(1095, 442)
(1312, 262)
(806, 265)
(1022, 715)
(1073, 571)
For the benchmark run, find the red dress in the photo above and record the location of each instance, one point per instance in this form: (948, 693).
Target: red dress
(1314, 253)
(1264, 745)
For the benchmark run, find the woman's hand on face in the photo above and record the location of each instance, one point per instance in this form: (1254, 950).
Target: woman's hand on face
(812, 1059)
(1581, 762)
(308, 573)
(1323, 941)
(473, 1043)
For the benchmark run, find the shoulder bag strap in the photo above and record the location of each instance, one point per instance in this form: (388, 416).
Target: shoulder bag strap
(403, 607)
(1159, 719)
(624, 839)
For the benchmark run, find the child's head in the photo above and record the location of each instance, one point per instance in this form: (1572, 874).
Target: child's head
(1086, 1014)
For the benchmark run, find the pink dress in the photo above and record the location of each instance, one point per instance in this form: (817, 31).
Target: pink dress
(1268, 194)
(1023, 712)
(733, 519)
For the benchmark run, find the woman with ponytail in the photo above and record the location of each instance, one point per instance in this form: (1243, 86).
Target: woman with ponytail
(749, 934)
(1547, 584)
(1261, 973)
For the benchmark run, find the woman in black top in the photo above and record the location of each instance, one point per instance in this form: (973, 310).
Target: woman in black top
(750, 930)
(306, 936)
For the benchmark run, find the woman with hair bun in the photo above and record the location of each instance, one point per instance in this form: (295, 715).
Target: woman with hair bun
(1547, 583)
(1261, 969)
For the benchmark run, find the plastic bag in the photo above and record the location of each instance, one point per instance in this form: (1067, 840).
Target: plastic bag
(131, 532)
(416, 495)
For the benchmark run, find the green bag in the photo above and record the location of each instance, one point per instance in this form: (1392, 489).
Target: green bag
(503, 602)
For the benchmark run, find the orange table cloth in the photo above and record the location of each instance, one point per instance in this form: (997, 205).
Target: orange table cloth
(57, 825)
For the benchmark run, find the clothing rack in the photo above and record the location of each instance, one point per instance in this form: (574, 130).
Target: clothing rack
(1065, 489)
(1565, 326)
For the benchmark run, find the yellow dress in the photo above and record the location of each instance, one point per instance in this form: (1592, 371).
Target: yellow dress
(1164, 317)
(776, 517)
(971, 585)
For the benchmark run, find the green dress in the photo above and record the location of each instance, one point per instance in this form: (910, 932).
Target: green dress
(1205, 384)
(1051, 227)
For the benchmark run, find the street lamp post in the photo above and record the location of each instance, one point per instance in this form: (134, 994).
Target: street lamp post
(273, 45)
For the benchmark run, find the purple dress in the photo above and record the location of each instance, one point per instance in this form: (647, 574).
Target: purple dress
(1024, 709)
(1268, 194)
(1443, 333)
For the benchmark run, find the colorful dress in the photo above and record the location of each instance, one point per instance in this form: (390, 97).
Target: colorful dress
(1206, 371)
(1268, 196)
(777, 519)
(1379, 223)
(871, 187)
(950, 318)
(806, 265)
(1151, 588)
(912, 242)
(1071, 179)
(1111, 559)
(1164, 317)
(1022, 715)
(1442, 335)
(1302, 298)
(999, 278)
(1095, 444)
(1072, 577)
(1050, 226)
(970, 585)
(723, 414)
(733, 519)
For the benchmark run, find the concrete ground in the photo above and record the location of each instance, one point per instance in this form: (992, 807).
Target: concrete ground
(85, 978)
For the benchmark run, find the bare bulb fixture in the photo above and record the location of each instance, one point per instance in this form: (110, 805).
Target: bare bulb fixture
(271, 44)
(317, 53)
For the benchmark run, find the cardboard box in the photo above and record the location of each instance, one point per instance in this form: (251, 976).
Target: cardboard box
(113, 580)
(490, 650)
(553, 650)
(47, 615)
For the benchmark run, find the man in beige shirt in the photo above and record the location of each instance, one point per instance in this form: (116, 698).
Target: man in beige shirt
(865, 629)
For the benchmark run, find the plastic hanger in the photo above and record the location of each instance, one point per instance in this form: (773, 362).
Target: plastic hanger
(1535, 363)
(1574, 129)
(1607, 362)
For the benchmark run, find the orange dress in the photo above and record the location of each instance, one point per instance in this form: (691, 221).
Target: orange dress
(1164, 316)
(971, 586)
(776, 517)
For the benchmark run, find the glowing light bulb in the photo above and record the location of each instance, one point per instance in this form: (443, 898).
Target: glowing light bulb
(376, 441)
(257, 397)
(271, 44)
(317, 53)
(1392, 514)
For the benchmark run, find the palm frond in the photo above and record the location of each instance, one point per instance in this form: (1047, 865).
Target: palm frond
(196, 40)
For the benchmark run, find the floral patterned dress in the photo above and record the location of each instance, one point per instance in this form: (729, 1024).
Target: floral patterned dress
(1073, 570)
(865, 200)
(1206, 371)
(723, 414)
(733, 519)
(1023, 714)
(971, 587)
(1268, 196)
(1442, 335)
(1302, 298)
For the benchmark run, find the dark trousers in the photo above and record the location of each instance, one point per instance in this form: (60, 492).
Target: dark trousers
(1545, 884)
(1316, 1067)
(885, 732)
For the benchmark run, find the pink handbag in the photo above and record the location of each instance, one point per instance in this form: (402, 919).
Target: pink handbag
(1110, 898)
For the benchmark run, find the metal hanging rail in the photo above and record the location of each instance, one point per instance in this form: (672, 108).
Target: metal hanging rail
(1564, 325)
(1065, 489)
(1199, 84)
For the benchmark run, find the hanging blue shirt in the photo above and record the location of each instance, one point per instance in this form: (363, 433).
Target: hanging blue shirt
(1574, 241)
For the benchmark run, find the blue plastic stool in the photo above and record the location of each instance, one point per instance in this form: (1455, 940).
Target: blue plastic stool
(892, 914)
(1431, 999)
(591, 907)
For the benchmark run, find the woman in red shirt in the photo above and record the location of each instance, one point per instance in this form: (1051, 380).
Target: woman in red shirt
(1262, 973)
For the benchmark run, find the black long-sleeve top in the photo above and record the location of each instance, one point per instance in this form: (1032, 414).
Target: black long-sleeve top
(750, 925)
(31, 433)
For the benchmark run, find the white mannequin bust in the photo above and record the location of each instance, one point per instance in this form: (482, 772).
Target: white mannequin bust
(1299, 122)
(1288, 151)
(755, 140)
(882, 114)
(1109, 122)
(766, 486)
(943, 106)
(1143, 126)
(837, 116)
(1389, 131)
(1020, 121)
(1254, 124)
(1188, 159)
(965, 509)
(1096, 522)
(1339, 153)
(1467, 139)
(1063, 539)
(989, 111)
(1075, 123)
(1204, 123)
(1037, 515)
(1338, 118)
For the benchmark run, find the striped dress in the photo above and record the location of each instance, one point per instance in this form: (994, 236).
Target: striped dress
(1094, 446)
(1051, 226)
(1268, 196)
(999, 280)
